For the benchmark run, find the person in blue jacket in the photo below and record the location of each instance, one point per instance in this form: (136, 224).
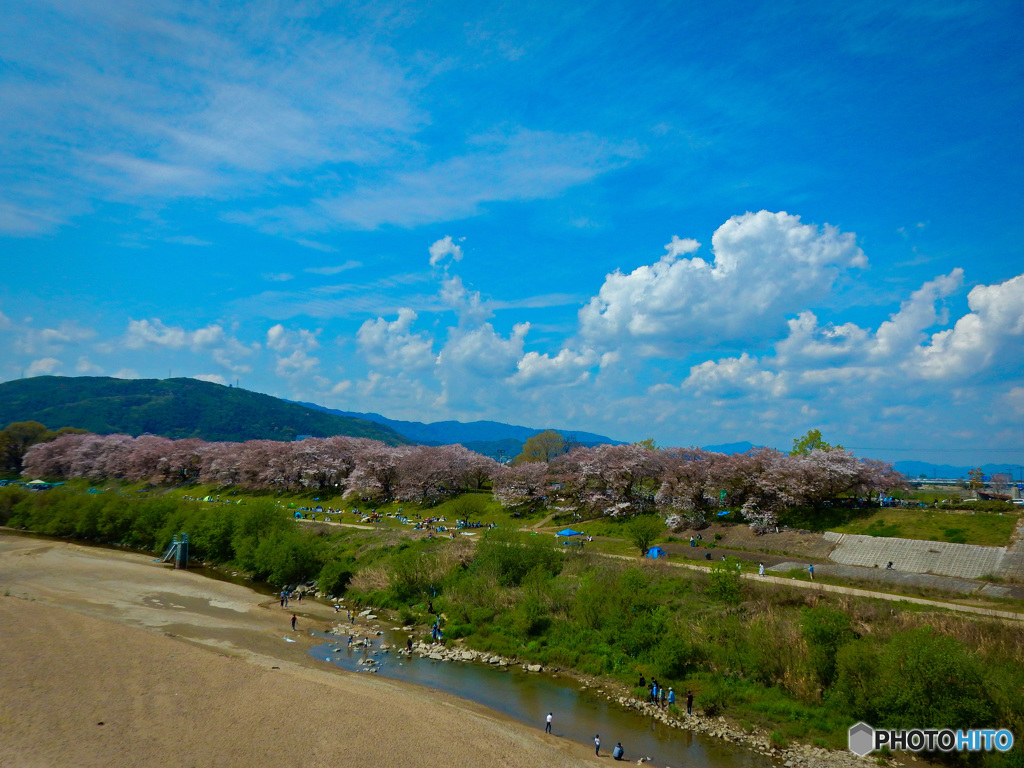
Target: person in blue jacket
(618, 752)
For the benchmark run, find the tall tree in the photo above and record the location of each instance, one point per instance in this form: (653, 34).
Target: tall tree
(811, 442)
(543, 446)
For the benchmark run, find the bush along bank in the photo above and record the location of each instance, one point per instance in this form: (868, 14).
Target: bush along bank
(799, 666)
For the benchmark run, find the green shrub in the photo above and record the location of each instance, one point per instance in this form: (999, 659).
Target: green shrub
(825, 630)
(724, 581)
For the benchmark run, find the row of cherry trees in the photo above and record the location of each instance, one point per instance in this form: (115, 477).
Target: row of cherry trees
(692, 483)
(611, 479)
(354, 466)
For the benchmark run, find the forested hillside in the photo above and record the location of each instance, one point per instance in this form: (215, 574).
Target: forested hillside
(175, 408)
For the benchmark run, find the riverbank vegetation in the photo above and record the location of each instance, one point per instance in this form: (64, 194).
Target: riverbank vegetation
(804, 664)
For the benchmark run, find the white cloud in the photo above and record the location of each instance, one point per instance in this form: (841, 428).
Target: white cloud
(443, 248)
(50, 341)
(393, 346)
(993, 329)
(144, 333)
(188, 240)
(567, 367)
(43, 367)
(468, 305)
(732, 377)
(5, 322)
(481, 352)
(278, 277)
(199, 103)
(298, 363)
(126, 373)
(282, 340)
(86, 367)
(766, 265)
(214, 378)
(499, 167)
(350, 264)
(905, 329)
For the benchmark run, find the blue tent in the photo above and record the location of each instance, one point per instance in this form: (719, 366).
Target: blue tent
(656, 552)
(568, 532)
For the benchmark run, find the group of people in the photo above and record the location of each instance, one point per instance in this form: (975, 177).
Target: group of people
(618, 753)
(660, 695)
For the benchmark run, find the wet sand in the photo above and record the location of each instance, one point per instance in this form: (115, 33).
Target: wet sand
(109, 659)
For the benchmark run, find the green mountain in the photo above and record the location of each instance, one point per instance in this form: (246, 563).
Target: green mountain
(175, 408)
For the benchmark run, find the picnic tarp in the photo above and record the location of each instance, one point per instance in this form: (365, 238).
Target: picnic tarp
(568, 532)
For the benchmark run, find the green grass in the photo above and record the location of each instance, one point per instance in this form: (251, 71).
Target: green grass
(987, 529)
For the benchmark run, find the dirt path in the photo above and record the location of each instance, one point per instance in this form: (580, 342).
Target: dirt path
(111, 659)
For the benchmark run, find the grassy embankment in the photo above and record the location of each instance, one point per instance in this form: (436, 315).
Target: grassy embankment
(804, 665)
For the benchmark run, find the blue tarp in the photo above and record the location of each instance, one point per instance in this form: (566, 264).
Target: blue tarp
(656, 552)
(568, 532)
(723, 513)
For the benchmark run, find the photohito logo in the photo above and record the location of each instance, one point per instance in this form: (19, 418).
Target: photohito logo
(864, 739)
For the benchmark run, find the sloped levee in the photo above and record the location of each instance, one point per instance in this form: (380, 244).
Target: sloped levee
(965, 561)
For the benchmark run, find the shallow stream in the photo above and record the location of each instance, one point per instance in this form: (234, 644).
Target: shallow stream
(578, 713)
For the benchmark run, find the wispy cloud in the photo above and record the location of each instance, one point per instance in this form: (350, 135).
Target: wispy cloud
(351, 264)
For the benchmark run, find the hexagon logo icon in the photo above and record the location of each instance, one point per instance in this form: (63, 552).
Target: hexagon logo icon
(861, 739)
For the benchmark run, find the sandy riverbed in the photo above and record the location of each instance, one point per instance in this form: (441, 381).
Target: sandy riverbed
(109, 659)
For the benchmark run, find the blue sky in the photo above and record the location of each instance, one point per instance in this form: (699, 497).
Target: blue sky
(700, 225)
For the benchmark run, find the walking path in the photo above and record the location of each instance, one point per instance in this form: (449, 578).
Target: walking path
(799, 584)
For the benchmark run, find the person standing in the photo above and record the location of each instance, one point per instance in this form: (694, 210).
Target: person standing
(689, 702)
(547, 723)
(597, 745)
(760, 569)
(671, 697)
(293, 622)
(810, 570)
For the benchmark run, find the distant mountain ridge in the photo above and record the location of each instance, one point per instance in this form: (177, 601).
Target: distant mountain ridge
(175, 408)
(487, 437)
(915, 469)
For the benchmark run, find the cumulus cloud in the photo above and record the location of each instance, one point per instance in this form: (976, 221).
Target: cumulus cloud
(393, 345)
(482, 352)
(87, 367)
(214, 378)
(468, 305)
(443, 248)
(766, 265)
(567, 367)
(145, 333)
(732, 377)
(994, 328)
(5, 322)
(905, 329)
(50, 341)
(43, 367)
(280, 339)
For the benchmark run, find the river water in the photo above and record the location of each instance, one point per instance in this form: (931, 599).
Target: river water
(578, 713)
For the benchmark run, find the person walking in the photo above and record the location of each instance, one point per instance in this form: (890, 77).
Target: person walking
(810, 570)
(671, 697)
(547, 723)
(689, 702)
(597, 745)
(760, 569)
(293, 622)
